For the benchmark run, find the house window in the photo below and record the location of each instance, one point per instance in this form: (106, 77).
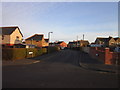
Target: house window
(17, 37)
(2, 37)
(112, 43)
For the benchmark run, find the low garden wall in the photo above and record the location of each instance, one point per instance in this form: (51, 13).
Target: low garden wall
(103, 54)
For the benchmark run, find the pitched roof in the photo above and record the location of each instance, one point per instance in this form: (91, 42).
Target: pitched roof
(9, 30)
(116, 38)
(74, 42)
(104, 39)
(35, 37)
(59, 42)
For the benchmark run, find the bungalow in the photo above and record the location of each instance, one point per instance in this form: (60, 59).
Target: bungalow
(37, 40)
(11, 35)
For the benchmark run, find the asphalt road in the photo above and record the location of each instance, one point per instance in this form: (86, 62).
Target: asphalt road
(57, 70)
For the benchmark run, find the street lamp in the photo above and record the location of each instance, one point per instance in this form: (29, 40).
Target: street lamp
(49, 36)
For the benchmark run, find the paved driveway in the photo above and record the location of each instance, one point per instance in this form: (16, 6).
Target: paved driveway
(57, 70)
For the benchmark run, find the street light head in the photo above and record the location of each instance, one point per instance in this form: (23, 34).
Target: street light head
(50, 32)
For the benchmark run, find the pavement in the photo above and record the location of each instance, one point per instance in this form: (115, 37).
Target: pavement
(101, 67)
(19, 62)
(96, 65)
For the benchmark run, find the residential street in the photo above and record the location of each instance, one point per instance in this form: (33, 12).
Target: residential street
(58, 70)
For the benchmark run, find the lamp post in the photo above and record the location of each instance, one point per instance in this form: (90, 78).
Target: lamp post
(48, 41)
(49, 36)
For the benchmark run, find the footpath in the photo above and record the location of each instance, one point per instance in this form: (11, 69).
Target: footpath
(19, 62)
(101, 67)
(92, 64)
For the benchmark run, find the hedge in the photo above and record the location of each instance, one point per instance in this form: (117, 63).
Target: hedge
(21, 53)
(13, 53)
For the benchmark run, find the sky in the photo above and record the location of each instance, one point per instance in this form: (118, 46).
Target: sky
(66, 20)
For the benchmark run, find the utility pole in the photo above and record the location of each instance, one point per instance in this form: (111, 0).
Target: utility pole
(77, 41)
(83, 36)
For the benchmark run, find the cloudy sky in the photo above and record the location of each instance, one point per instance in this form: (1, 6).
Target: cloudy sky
(66, 20)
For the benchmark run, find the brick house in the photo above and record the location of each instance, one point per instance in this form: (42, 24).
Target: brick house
(72, 44)
(11, 35)
(46, 42)
(79, 43)
(37, 40)
(83, 43)
(117, 39)
(60, 44)
(105, 42)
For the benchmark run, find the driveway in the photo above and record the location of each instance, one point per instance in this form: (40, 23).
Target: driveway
(57, 70)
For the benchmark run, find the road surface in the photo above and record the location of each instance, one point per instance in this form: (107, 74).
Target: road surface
(57, 70)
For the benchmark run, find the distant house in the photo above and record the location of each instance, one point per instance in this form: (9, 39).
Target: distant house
(79, 43)
(117, 39)
(37, 40)
(83, 43)
(60, 44)
(105, 42)
(72, 44)
(11, 35)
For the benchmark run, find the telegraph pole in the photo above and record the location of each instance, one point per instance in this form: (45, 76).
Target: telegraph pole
(83, 36)
(77, 41)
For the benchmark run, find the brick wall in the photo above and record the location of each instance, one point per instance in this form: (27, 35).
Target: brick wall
(104, 55)
(112, 57)
(97, 53)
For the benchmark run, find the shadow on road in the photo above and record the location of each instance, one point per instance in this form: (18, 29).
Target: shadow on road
(73, 57)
